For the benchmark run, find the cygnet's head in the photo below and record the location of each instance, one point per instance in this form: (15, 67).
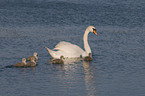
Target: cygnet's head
(90, 54)
(35, 54)
(23, 60)
(61, 57)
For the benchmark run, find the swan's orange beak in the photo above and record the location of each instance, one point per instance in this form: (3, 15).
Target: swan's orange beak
(94, 31)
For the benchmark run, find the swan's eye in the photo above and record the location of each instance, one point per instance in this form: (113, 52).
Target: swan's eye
(94, 29)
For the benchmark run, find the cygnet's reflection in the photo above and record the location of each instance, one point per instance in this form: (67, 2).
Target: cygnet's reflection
(73, 66)
(69, 64)
(90, 79)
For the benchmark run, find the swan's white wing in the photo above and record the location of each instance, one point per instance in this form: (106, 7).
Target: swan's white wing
(62, 43)
(68, 50)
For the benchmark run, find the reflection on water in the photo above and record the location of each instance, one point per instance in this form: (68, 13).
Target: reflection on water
(90, 80)
(68, 72)
(23, 68)
(69, 63)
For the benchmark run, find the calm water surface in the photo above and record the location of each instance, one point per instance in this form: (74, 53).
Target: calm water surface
(118, 66)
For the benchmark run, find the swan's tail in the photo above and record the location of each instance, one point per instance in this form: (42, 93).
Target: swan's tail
(48, 49)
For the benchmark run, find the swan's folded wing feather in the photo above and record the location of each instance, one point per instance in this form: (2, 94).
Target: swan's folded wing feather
(62, 43)
(68, 48)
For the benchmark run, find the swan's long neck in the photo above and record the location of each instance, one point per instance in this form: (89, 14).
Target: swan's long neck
(86, 45)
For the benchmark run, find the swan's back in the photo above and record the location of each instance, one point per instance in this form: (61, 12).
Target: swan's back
(62, 43)
(69, 49)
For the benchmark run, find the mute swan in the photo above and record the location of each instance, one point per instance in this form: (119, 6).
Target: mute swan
(21, 64)
(34, 56)
(69, 50)
(32, 63)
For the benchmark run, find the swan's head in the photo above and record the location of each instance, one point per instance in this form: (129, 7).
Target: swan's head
(92, 29)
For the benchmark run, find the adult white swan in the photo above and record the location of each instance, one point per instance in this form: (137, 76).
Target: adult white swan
(69, 50)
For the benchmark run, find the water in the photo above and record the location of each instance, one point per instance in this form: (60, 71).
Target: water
(118, 66)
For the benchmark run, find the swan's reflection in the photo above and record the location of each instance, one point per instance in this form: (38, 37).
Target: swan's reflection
(90, 79)
(72, 66)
